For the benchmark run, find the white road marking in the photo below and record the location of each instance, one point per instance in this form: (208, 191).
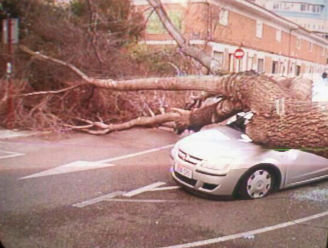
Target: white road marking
(6, 134)
(98, 199)
(165, 188)
(142, 200)
(109, 197)
(68, 168)
(10, 154)
(143, 189)
(88, 165)
(249, 233)
(136, 154)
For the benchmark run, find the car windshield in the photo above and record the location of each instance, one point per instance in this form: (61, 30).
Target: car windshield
(238, 122)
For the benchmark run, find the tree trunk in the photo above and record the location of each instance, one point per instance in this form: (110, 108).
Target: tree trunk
(302, 125)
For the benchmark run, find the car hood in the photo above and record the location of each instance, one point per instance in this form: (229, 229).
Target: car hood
(221, 142)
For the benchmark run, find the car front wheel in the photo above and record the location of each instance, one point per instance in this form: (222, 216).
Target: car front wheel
(257, 183)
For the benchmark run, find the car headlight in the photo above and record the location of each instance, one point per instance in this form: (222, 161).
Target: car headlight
(174, 152)
(222, 165)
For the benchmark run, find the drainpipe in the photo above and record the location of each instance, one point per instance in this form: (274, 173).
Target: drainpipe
(209, 23)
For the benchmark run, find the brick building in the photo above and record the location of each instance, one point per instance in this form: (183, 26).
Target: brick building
(271, 44)
(310, 14)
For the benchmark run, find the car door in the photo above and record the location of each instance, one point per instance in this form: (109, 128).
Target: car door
(303, 167)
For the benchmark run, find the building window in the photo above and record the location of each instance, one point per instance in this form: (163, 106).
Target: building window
(155, 26)
(317, 8)
(298, 70)
(298, 43)
(310, 69)
(224, 17)
(287, 6)
(274, 67)
(249, 63)
(218, 58)
(310, 46)
(260, 65)
(259, 29)
(278, 35)
(282, 68)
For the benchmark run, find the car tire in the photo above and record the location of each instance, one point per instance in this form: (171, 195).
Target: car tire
(257, 183)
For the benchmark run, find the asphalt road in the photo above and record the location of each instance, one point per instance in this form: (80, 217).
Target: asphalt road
(116, 191)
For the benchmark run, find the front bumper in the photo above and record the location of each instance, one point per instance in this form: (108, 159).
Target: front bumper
(201, 181)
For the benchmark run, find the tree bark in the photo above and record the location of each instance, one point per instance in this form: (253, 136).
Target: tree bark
(302, 125)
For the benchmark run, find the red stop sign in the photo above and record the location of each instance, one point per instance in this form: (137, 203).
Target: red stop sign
(239, 53)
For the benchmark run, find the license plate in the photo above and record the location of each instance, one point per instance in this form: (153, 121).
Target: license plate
(183, 171)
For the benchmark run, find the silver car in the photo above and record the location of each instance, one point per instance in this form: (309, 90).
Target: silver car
(224, 161)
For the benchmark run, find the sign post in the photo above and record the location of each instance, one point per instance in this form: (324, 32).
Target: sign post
(239, 54)
(10, 37)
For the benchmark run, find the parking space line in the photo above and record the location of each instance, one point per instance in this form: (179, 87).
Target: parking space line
(98, 199)
(143, 189)
(10, 154)
(249, 233)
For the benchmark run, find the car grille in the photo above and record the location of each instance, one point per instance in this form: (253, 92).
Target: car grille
(187, 180)
(188, 158)
(209, 186)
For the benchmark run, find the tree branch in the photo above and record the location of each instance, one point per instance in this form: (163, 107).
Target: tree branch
(190, 51)
(213, 84)
(46, 92)
(102, 128)
(41, 56)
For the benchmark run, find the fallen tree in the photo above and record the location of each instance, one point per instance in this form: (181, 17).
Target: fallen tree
(283, 113)
(282, 116)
